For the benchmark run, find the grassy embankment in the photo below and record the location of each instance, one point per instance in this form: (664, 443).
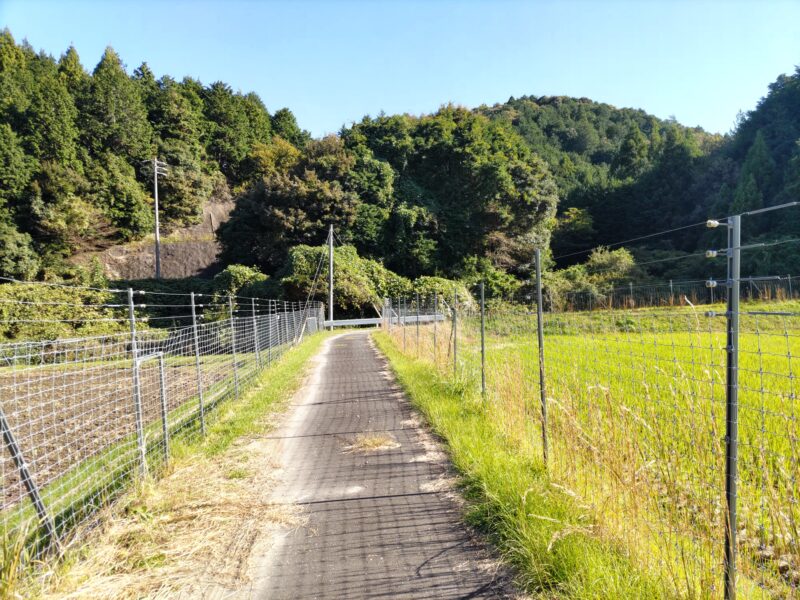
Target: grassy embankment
(636, 432)
(537, 525)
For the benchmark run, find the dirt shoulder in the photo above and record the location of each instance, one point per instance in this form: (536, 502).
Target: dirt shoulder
(194, 533)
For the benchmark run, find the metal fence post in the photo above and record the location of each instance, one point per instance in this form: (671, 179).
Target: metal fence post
(402, 319)
(455, 333)
(233, 347)
(164, 409)
(137, 390)
(732, 401)
(435, 322)
(27, 479)
(417, 299)
(483, 342)
(789, 278)
(256, 340)
(292, 324)
(269, 330)
(540, 335)
(286, 322)
(198, 369)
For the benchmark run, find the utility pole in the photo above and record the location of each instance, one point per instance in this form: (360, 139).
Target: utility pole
(159, 168)
(330, 276)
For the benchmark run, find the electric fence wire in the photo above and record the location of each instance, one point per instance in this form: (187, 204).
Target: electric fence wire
(635, 403)
(675, 229)
(83, 413)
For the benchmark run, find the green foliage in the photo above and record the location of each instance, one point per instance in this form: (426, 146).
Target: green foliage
(358, 285)
(115, 189)
(593, 279)
(644, 174)
(38, 312)
(633, 156)
(497, 283)
(240, 280)
(17, 256)
(60, 208)
(289, 209)
(16, 168)
(573, 232)
(428, 286)
(465, 186)
(284, 124)
(114, 117)
(418, 194)
(74, 146)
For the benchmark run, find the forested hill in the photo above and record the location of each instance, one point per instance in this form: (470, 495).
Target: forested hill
(74, 148)
(464, 193)
(622, 173)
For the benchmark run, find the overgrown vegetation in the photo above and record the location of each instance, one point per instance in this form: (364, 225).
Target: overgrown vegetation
(623, 173)
(74, 148)
(537, 525)
(635, 426)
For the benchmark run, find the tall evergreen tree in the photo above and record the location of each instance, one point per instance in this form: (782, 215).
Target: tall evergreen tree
(114, 115)
(51, 129)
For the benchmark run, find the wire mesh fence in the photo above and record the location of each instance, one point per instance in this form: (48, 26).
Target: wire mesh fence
(630, 413)
(674, 293)
(83, 417)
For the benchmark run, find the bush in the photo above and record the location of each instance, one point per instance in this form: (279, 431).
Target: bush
(426, 286)
(240, 280)
(17, 256)
(40, 312)
(497, 283)
(358, 285)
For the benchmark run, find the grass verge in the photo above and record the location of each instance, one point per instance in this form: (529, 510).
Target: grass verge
(158, 534)
(539, 527)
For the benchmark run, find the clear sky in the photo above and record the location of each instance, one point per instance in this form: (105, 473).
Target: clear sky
(332, 62)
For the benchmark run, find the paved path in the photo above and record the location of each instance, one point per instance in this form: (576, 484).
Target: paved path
(380, 523)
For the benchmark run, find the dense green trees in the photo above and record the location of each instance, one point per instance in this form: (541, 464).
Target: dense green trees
(421, 194)
(460, 193)
(622, 173)
(74, 146)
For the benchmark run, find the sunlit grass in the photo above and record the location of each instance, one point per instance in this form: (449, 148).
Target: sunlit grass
(636, 428)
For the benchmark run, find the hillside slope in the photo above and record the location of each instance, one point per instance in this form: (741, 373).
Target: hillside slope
(191, 251)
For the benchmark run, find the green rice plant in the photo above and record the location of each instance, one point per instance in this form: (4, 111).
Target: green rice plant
(636, 430)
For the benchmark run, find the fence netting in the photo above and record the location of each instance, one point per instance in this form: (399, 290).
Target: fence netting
(83, 417)
(634, 417)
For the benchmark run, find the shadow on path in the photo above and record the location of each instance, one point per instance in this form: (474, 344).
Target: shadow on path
(380, 523)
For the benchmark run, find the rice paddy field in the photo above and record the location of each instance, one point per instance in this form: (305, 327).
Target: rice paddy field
(636, 426)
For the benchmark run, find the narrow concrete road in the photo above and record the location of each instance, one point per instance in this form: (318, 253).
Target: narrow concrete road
(380, 518)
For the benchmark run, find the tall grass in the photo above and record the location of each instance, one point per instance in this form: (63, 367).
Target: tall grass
(537, 525)
(636, 429)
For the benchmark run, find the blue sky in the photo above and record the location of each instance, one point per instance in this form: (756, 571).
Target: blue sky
(332, 62)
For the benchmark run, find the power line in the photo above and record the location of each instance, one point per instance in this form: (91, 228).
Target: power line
(667, 231)
(636, 239)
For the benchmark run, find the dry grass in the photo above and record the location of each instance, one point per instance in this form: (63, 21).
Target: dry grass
(372, 442)
(192, 534)
(636, 430)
